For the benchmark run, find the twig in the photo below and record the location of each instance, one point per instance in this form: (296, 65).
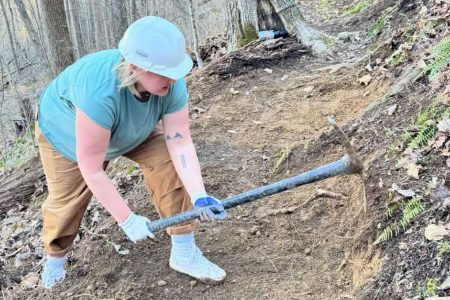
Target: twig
(81, 295)
(324, 193)
(38, 264)
(3, 294)
(271, 261)
(14, 253)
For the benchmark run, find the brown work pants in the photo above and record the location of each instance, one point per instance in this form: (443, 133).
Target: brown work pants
(68, 194)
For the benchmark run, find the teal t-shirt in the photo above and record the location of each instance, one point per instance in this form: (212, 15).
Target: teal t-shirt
(91, 85)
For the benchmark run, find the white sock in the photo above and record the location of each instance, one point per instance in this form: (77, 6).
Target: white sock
(181, 246)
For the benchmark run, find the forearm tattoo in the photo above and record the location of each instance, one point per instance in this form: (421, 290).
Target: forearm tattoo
(177, 136)
(183, 161)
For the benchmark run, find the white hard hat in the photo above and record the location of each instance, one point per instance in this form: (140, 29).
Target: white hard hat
(156, 45)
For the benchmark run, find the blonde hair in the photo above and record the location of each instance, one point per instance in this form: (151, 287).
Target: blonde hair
(127, 78)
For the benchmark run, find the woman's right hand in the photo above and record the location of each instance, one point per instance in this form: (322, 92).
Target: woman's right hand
(136, 229)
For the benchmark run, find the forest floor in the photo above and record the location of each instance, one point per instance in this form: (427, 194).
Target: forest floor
(257, 123)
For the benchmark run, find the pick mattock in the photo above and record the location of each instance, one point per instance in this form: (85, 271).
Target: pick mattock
(348, 164)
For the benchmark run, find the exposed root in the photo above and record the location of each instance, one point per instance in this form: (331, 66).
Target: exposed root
(324, 193)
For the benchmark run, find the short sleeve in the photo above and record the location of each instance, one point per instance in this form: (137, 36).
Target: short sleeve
(177, 97)
(98, 106)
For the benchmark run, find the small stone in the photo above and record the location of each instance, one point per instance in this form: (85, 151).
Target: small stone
(193, 283)
(307, 251)
(162, 283)
(254, 230)
(166, 291)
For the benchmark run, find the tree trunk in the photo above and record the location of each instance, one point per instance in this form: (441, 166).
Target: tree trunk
(295, 23)
(99, 30)
(195, 35)
(133, 11)
(10, 37)
(234, 30)
(249, 19)
(60, 46)
(70, 19)
(28, 24)
(120, 20)
(268, 18)
(13, 27)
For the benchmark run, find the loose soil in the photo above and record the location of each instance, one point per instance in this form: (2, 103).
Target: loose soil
(272, 248)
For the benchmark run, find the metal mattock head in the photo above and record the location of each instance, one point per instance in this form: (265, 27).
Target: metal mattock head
(356, 165)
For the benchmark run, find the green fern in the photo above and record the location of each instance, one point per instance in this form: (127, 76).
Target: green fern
(443, 247)
(358, 8)
(425, 134)
(411, 210)
(398, 58)
(441, 58)
(378, 27)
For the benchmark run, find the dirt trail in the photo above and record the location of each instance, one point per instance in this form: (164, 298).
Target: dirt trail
(271, 249)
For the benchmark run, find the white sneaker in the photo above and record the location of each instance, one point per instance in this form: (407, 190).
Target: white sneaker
(53, 272)
(197, 266)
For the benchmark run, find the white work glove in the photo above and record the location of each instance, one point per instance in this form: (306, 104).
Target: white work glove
(205, 202)
(136, 229)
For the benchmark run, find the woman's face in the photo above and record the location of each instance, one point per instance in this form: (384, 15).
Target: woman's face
(153, 83)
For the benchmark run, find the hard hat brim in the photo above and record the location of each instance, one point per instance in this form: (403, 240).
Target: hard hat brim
(177, 72)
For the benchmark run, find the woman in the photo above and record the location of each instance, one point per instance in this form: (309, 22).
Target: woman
(110, 104)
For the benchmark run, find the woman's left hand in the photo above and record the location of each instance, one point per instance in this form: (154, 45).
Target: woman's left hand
(211, 208)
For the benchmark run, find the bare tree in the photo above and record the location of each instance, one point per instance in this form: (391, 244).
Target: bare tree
(72, 18)
(132, 11)
(61, 47)
(120, 20)
(28, 24)
(10, 36)
(195, 35)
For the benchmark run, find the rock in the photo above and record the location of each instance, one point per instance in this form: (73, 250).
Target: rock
(162, 283)
(30, 281)
(254, 230)
(193, 283)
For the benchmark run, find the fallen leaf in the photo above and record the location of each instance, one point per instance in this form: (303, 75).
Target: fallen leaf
(413, 170)
(199, 109)
(440, 141)
(122, 251)
(423, 11)
(408, 163)
(365, 79)
(369, 68)
(95, 218)
(391, 110)
(308, 89)
(405, 193)
(444, 125)
(234, 92)
(436, 232)
(445, 285)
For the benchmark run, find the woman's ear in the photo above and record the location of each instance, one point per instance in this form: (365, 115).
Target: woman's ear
(134, 68)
